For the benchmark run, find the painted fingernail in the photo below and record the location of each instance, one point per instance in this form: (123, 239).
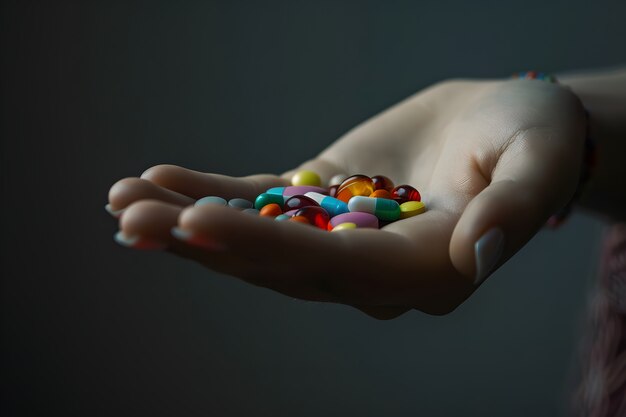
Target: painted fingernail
(114, 213)
(196, 239)
(488, 250)
(138, 242)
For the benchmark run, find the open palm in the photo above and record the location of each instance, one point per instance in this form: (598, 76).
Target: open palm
(485, 155)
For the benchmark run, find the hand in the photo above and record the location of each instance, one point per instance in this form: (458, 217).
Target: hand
(485, 155)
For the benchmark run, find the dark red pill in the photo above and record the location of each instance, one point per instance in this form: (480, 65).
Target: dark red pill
(404, 193)
(299, 201)
(382, 183)
(317, 216)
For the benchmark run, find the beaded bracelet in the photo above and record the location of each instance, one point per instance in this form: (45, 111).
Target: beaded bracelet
(589, 156)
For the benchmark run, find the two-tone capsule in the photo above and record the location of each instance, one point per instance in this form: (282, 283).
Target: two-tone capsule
(384, 209)
(332, 205)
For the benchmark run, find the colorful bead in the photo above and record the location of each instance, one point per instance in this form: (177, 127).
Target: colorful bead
(332, 205)
(404, 193)
(411, 208)
(306, 178)
(384, 209)
(356, 185)
(360, 219)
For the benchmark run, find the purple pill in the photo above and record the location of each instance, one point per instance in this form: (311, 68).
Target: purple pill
(296, 190)
(360, 219)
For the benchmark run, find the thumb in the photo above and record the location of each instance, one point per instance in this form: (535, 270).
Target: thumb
(533, 177)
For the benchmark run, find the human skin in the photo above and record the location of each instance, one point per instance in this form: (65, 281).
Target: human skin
(484, 154)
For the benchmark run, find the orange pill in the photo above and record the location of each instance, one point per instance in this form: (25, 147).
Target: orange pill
(271, 210)
(356, 185)
(381, 194)
(299, 219)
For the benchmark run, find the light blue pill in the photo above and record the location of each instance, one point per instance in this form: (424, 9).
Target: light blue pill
(252, 211)
(282, 217)
(211, 200)
(240, 203)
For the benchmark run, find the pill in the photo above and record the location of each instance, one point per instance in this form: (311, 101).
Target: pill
(404, 193)
(360, 219)
(382, 183)
(282, 217)
(271, 210)
(252, 211)
(295, 190)
(337, 179)
(291, 213)
(356, 185)
(332, 190)
(264, 199)
(211, 200)
(298, 201)
(299, 219)
(306, 178)
(317, 216)
(384, 209)
(240, 203)
(344, 226)
(380, 194)
(411, 208)
(332, 205)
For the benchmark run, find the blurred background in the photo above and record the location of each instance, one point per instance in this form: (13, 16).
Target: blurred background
(95, 92)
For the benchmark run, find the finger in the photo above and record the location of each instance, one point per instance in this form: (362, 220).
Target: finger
(196, 184)
(128, 190)
(532, 179)
(374, 268)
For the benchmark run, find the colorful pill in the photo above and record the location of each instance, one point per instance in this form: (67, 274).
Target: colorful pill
(356, 185)
(411, 208)
(332, 205)
(382, 183)
(344, 226)
(298, 201)
(332, 190)
(360, 219)
(282, 217)
(211, 200)
(337, 179)
(381, 194)
(306, 178)
(264, 199)
(384, 209)
(271, 210)
(291, 213)
(404, 193)
(295, 190)
(317, 216)
(240, 203)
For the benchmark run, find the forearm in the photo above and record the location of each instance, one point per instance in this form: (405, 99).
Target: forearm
(603, 93)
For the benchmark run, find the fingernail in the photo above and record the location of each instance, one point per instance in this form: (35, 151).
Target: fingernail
(114, 213)
(488, 250)
(138, 242)
(196, 239)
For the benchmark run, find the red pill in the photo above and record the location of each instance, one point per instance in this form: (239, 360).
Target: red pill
(404, 193)
(317, 216)
(360, 185)
(299, 201)
(382, 183)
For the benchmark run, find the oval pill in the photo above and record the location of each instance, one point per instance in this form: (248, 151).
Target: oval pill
(360, 219)
(240, 203)
(271, 210)
(356, 185)
(332, 205)
(384, 209)
(252, 211)
(306, 178)
(282, 217)
(344, 226)
(382, 183)
(411, 208)
(381, 194)
(404, 193)
(211, 200)
(295, 190)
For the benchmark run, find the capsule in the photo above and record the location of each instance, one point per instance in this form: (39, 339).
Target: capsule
(219, 201)
(332, 205)
(295, 190)
(264, 199)
(360, 219)
(306, 178)
(382, 183)
(356, 185)
(404, 193)
(298, 201)
(384, 209)
(317, 216)
(411, 208)
(344, 226)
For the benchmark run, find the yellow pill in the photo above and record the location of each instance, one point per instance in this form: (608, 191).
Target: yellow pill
(344, 226)
(306, 178)
(411, 208)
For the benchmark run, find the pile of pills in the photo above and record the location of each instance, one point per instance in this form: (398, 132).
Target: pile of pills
(351, 202)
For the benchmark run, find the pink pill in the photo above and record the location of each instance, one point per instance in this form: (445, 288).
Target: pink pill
(358, 218)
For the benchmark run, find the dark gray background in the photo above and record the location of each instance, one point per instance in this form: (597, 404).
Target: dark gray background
(92, 93)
